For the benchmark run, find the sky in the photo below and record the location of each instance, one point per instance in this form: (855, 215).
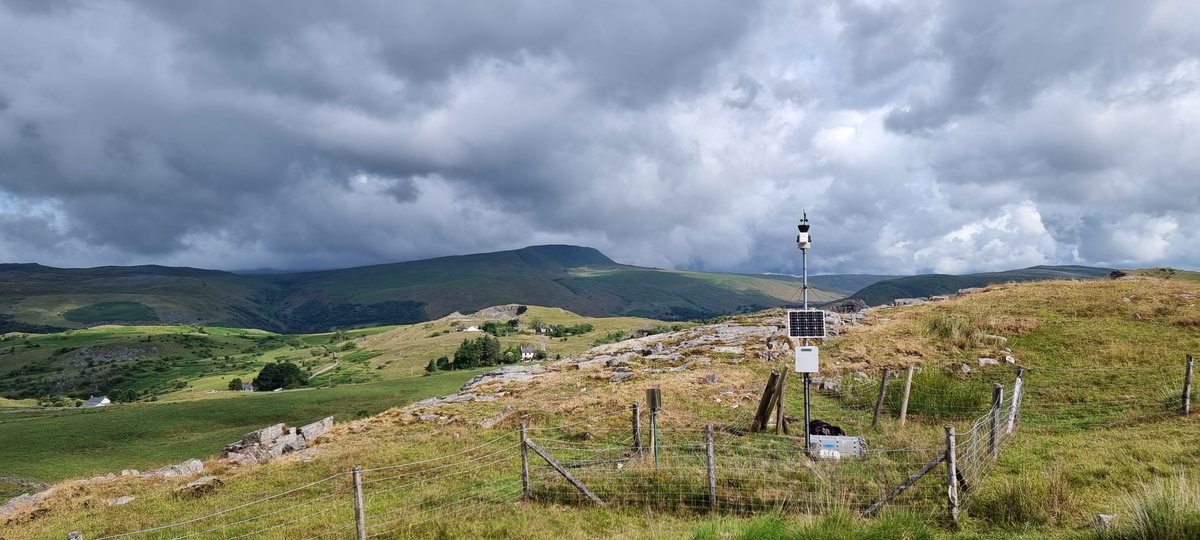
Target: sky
(920, 136)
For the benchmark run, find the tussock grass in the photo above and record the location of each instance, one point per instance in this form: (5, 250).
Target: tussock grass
(1166, 509)
(1031, 499)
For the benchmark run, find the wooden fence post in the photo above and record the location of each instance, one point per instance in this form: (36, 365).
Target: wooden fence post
(904, 400)
(879, 401)
(994, 433)
(637, 430)
(360, 518)
(780, 419)
(951, 476)
(712, 467)
(764, 405)
(1187, 387)
(1017, 396)
(525, 491)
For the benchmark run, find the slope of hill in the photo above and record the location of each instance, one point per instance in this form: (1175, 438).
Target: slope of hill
(846, 284)
(1099, 421)
(36, 298)
(923, 285)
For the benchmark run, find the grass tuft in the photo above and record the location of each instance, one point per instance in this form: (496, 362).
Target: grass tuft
(1163, 510)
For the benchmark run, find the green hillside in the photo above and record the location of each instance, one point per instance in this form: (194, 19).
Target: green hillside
(846, 284)
(884, 292)
(36, 298)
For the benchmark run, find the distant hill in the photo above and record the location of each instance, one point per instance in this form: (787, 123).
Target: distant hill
(35, 298)
(885, 292)
(846, 284)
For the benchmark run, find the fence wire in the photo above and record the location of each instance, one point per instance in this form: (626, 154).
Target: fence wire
(751, 472)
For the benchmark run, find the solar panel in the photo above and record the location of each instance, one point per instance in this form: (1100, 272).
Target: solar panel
(806, 323)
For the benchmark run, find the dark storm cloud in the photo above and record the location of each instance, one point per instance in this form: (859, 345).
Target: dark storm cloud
(919, 135)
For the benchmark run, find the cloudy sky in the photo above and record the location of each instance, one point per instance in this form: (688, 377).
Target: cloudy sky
(920, 136)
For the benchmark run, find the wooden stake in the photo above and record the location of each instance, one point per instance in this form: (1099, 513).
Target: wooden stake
(907, 390)
(879, 401)
(1017, 396)
(712, 467)
(994, 433)
(574, 481)
(951, 476)
(526, 494)
(360, 517)
(907, 483)
(763, 412)
(1187, 387)
(780, 420)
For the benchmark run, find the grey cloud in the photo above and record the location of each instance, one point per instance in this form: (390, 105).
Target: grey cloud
(919, 135)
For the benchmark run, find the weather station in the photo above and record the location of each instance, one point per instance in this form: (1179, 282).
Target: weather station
(806, 324)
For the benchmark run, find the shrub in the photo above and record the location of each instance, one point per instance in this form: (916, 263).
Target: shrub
(235, 383)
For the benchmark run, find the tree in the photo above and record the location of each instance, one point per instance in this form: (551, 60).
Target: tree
(279, 375)
(443, 363)
(235, 383)
(431, 366)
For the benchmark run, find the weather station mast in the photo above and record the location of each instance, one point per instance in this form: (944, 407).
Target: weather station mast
(805, 324)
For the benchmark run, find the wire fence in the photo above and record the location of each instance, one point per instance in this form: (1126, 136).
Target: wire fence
(693, 465)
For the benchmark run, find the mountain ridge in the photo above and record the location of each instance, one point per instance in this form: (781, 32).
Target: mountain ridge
(35, 298)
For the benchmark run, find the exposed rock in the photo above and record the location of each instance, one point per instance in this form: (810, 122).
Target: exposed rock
(1010, 359)
(619, 377)
(682, 367)
(271, 442)
(22, 500)
(711, 378)
(985, 361)
(964, 369)
(729, 350)
(490, 422)
(120, 500)
(316, 429)
(504, 375)
(264, 435)
(199, 487)
(1105, 521)
(596, 362)
(130, 472)
(994, 340)
(187, 468)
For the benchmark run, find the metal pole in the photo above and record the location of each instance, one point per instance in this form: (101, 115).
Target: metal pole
(807, 376)
(807, 434)
(1187, 387)
(360, 518)
(654, 434)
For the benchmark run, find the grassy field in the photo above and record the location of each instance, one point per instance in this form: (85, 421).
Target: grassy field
(56, 444)
(1099, 431)
(405, 350)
